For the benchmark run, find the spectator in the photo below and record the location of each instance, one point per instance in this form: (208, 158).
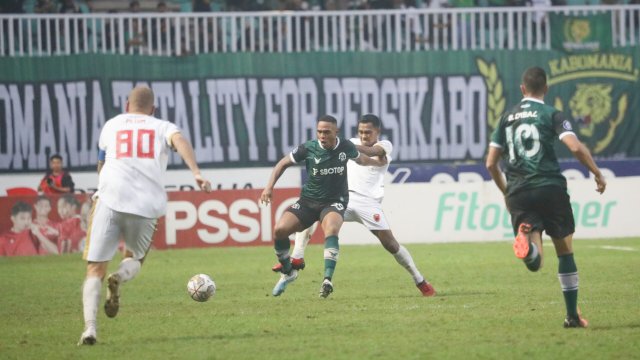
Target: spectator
(134, 6)
(24, 238)
(160, 41)
(47, 227)
(201, 5)
(56, 180)
(47, 31)
(10, 7)
(69, 7)
(70, 228)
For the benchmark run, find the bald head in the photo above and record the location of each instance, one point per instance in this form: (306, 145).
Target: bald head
(140, 100)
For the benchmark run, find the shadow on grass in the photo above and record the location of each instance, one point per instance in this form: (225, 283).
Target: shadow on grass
(614, 327)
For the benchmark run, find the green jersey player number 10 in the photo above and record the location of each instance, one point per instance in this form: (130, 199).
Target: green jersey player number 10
(524, 133)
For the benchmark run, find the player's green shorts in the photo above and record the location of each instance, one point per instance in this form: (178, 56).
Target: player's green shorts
(546, 208)
(309, 211)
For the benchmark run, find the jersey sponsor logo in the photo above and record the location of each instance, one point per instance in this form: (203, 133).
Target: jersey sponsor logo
(338, 206)
(342, 157)
(522, 115)
(567, 125)
(317, 160)
(376, 217)
(338, 170)
(295, 206)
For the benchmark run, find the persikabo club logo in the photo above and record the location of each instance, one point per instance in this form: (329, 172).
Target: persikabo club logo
(598, 102)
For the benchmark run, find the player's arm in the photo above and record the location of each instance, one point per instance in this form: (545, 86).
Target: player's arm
(581, 153)
(184, 148)
(44, 242)
(278, 170)
(371, 151)
(492, 164)
(365, 160)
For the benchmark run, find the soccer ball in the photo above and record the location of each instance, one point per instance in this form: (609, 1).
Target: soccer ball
(201, 287)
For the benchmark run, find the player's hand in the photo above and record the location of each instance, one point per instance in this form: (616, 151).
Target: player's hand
(203, 184)
(265, 197)
(601, 183)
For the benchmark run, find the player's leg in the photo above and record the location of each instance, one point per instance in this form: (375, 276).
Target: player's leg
(138, 233)
(404, 258)
(527, 228)
(300, 244)
(331, 219)
(90, 299)
(101, 244)
(560, 225)
(289, 223)
(568, 276)
(297, 254)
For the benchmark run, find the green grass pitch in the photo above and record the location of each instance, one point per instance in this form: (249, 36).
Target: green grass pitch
(488, 306)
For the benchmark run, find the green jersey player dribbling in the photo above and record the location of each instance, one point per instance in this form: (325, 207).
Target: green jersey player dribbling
(535, 190)
(324, 197)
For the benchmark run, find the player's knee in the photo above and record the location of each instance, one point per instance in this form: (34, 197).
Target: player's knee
(281, 233)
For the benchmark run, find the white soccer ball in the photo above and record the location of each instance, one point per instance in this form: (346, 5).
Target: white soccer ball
(201, 287)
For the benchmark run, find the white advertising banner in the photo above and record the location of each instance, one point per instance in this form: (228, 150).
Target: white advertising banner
(475, 211)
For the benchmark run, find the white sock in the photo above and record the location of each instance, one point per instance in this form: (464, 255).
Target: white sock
(300, 244)
(404, 258)
(90, 299)
(128, 269)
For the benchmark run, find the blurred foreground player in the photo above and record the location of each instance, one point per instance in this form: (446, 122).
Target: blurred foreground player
(134, 149)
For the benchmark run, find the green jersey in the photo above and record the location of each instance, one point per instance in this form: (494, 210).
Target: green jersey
(526, 135)
(326, 170)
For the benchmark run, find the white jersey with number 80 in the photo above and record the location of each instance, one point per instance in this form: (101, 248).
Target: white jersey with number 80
(137, 150)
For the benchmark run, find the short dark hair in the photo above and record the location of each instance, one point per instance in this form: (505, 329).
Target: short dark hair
(55, 156)
(20, 206)
(370, 119)
(328, 118)
(70, 199)
(534, 80)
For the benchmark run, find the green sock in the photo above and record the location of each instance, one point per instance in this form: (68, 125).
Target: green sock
(331, 251)
(282, 247)
(568, 276)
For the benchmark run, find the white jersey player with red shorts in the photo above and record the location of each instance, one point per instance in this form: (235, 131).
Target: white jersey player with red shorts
(134, 150)
(366, 191)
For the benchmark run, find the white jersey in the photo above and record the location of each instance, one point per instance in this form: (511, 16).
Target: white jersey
(137, 150)
(368, 181)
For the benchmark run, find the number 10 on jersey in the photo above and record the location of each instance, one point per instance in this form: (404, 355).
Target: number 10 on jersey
(141, 140)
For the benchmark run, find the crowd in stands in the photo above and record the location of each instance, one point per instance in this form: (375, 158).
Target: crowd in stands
(83, 6)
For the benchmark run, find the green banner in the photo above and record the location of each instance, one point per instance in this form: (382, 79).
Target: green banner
(244, 110)
(587, 33)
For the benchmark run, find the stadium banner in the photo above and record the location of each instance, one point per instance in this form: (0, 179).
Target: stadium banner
(443, 212)
(193, 219)
(581, 33)
(247, 110)
(475, 211)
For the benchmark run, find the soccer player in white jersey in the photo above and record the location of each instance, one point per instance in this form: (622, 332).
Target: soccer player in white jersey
(366, 191)
(134, 149)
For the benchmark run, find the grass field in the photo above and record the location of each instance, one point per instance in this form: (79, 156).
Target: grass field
(488, 306)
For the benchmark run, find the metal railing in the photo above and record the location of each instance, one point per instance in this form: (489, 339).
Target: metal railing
(169, 34)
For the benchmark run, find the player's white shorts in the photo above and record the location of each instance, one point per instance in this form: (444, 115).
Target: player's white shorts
(106, 227)
(366, 211)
